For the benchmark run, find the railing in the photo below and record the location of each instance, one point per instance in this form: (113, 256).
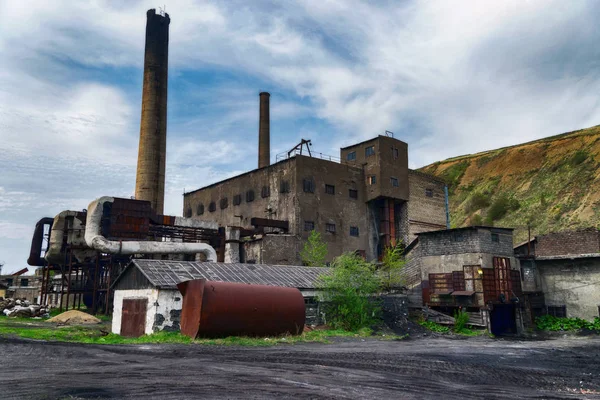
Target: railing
(285, 155)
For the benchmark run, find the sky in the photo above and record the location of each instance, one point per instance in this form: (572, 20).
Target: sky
(449, 78)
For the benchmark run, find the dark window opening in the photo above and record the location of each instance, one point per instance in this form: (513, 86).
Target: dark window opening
(429, 192)
(212, 207)
(395, 152)
(9, 282)
(351, 156)
(354, 231)
(369, 151)
(200, 209)
(458, 237)
(265, 192)
(557, 311)
(353, 193)
(188, 212)
(372, 179)
(329, 189)
(330, 228)
(284, 187)
(237, 199)
(24, 282)
(249, 196)
(223, 203)
(309, 226)
(309, 185)
(394, 182)
(495, 238)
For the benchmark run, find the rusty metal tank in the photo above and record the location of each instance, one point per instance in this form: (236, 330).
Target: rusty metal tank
(220, 309)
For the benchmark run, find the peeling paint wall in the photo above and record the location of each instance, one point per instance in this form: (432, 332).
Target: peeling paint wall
(120, 295)
(168, 311)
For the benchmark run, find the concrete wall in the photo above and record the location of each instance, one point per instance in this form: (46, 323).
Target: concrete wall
(168, 311)
(120, 295)
(473, 240)
(273, 249)
(586, 241)
(572, 283)
(424, 213)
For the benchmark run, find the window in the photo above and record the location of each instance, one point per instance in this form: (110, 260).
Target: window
(351, 156)
(284, 187)
(495, 238)
(369, 151)
(223, 203)
(309, 226)
(557, 311)
(200, 209)
(212, 207)
(265, 192)
(372, 179)
(329, 189)
(353, 193)
(9, 282)
(394, 182)
(354, 231)
(395, 152)
(458, 237)
(249, 196)
(237, 199)
(429, 192)
(309, 185)
(24, 282)
(188, 212)
(330, 228)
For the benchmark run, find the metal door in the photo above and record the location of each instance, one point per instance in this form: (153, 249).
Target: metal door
(133, 318)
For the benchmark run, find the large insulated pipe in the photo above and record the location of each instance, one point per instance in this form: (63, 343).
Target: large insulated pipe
(150, 177)
(95, 240)
(264, 131)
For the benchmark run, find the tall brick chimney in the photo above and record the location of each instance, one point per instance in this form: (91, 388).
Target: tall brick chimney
(264, 131)
(150, 177)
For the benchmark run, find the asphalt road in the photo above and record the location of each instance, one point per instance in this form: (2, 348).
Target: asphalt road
(435, 368)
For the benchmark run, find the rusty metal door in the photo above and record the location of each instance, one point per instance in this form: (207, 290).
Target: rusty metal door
(133, 319)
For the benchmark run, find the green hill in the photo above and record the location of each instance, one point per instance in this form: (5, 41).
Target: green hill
(550, 184)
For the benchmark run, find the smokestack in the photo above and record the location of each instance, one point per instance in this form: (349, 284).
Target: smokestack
(264, 131)
(150, 178)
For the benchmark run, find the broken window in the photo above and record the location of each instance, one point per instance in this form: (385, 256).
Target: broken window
(351, 156)
(394, 182)
(284, 187)
(429, 192)
(200, 209)
(557, 311)
(237, 199)
(188, 212)
(369, 151)
(329, 189)
(309, 185)
(330, 228)
(249, 196)
(354, 231)
(309, 225)
(223, 203)
(353, 193)
(372, 179)
(212, 207)
(265, 192)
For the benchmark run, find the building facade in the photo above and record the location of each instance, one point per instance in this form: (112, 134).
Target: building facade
(368, 200)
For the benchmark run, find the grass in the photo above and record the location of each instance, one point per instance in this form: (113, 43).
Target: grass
(435, 327)
(25, 328)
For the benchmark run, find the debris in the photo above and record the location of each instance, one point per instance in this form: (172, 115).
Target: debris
(21, 308)
(74, 317)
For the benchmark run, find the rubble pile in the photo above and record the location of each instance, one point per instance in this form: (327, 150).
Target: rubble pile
(22, 308)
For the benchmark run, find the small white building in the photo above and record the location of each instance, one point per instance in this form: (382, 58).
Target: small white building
(146, 298)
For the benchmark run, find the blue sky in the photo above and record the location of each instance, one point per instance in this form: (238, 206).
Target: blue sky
(447, 79)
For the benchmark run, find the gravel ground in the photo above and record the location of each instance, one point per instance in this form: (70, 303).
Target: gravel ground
(439, 368)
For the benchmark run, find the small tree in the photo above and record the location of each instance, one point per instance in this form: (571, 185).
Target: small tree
(315, 250)
(349, 291)
(392, 264)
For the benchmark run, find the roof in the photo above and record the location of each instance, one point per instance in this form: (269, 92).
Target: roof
(568, 256)
(165, 274)
(464, 229)
(371, 140)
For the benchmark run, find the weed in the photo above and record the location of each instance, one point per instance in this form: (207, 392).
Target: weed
(434, 327)
(551, 323)
(461, 318)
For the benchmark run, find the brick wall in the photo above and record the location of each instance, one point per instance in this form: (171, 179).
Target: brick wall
(475, 240)
(584, 241)
(425, 213)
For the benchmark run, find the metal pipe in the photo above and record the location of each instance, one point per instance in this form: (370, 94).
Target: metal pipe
(95, 240)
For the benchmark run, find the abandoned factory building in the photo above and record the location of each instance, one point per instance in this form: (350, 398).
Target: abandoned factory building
(368, 200)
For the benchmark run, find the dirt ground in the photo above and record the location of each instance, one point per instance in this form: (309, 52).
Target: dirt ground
(439, 368)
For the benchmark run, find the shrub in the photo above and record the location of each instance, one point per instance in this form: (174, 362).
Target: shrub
(477, 202)
(461, 318)
(579, 157)
(314, 252)
(349, 291)
(551, 323)
(432, 326)
(392, 264)
(500, 207)
(476, 220)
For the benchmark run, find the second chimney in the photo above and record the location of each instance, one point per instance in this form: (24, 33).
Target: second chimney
(264, 131)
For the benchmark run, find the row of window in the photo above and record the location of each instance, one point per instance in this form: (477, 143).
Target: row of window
(237, 199)
(308, 186)
(370, 151)
(310, 226)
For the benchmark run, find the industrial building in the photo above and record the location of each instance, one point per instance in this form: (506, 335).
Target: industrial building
(363, 201)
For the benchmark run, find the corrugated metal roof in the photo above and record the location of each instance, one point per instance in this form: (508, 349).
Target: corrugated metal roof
(165, 274)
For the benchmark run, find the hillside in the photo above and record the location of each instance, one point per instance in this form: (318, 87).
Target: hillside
(550, 184)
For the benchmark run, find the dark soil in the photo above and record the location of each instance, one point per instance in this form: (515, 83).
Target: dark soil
(436, 368)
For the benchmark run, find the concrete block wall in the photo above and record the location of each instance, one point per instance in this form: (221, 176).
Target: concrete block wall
(584, 241)
(425, 213)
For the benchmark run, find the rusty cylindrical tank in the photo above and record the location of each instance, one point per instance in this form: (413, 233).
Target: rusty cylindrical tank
(220, 309)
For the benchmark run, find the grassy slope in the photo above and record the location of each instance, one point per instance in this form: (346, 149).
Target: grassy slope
(552, 183)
